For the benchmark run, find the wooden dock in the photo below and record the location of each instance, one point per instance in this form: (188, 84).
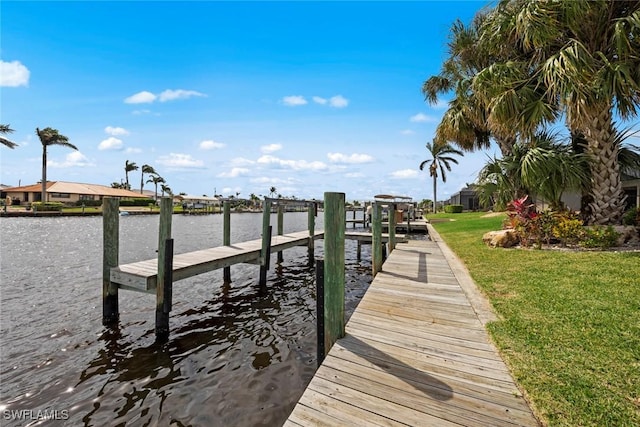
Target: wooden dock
(142, 276)
(415, 353)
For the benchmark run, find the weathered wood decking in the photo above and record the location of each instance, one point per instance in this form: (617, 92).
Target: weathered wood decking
(415, 353)
(142, 276)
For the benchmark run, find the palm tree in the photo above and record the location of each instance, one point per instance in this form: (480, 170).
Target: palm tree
(165, 189)
(582, 58)
(440, 159)
(129, 167)
(148, 170)
(156, 179)
(272, 191)
(6, 129)
(49, 136)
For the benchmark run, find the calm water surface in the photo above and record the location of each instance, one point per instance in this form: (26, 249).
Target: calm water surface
(237, 355)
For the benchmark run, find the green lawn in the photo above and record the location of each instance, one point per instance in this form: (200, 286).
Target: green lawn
(570, 323)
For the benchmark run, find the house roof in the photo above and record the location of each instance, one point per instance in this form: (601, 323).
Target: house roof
(75, 188)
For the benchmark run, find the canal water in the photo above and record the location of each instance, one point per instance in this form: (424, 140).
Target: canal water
(237, 355)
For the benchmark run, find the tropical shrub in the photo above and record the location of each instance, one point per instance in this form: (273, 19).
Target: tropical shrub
(599, 237)
(453, 208)
(568, 228)
(137, 202)
(88, 203)
(632, 217)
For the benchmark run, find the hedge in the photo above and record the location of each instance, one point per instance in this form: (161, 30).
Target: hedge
(46, 206)
(453, 208)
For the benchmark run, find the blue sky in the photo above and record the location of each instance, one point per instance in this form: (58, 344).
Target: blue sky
(229, 96)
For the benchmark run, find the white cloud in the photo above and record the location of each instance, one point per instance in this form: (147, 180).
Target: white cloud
(291, 164)
(271, 148)
(13, 74)
(140, 112)
(294, 100)
(407, 132)
(143, 97)
(181, 161)
(133, 150)
(241, 161)
(170, 94)
(422, 118)
(404, 174)
(319, 100)
(233, 173)
(338, 101)
(75, 158)
(116, 131)
(111, 143)
(353, 158)
(354, 175)
(210, 145)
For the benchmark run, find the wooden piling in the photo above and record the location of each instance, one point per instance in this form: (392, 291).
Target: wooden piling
(321, 350)
(392, 228)
(280, 227)
(311, 222)
(226, 236)
(265, 252)
(164, 234)
(376, 239)
(334, 275)
(110, 254)
(359, 251)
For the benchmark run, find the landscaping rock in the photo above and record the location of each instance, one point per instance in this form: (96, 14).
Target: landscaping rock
(501, 238)
(628, 235)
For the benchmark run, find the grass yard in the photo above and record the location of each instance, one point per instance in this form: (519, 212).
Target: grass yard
(570, 323)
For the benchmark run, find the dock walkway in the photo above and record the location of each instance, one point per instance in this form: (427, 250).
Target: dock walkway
(415, 353)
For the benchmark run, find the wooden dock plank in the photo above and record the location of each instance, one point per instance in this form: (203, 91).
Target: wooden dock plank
(415, 353)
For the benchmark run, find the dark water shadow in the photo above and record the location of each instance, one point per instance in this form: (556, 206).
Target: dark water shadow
(415, 378)
(423, 274)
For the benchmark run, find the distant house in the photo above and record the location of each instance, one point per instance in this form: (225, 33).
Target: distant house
(65, 192)
(197, 202)
(467, 197)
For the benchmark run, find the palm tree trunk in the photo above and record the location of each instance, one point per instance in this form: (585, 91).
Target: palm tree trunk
(435, 179)
(141, 181)
(607, 206)
(43, 196)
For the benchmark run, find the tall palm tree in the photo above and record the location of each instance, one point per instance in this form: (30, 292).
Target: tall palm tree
(6, 129)
(272, 191)
(49, 136)
(148, 170)
(156, 179)
(583, 61)
(440, 159)
(129, 167)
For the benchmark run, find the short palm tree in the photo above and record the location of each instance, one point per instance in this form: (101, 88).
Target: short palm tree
(148, 170)
(165, 189)
(6, 129)
(272, 191)
(49, 136)
(156, 179)
(440, 159)
(129, 167)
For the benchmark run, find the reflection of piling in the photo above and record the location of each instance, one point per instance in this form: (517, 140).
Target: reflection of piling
(392, 227)
(334, 264)
(226, 236)
(110, 249)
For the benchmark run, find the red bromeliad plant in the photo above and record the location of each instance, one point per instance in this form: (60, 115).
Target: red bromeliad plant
(522, 217)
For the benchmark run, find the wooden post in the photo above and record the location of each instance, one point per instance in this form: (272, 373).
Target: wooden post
(226, 237)
(376, 240)
(392, 228)
(334, 276)
(110, 253)
(265, 252)
(162, 315)
(311, 222)
(164, 234)
(280, 227)
(320, 311)
(353, 224)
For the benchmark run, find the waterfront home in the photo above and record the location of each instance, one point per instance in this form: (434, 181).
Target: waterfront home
(65, 192)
